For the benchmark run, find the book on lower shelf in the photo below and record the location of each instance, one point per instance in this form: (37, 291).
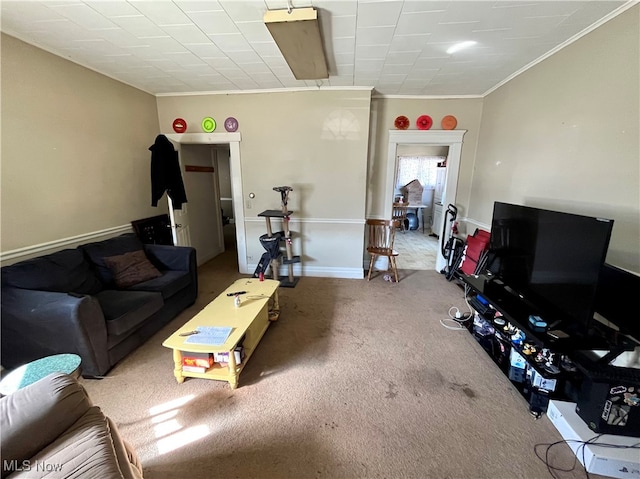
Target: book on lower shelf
(193, 369)
(196, 362)
(224, 357)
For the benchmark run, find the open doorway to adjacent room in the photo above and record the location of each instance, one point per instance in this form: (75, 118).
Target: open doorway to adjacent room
(452, 140)
(419, 181)
(207, 179)
(211, 214)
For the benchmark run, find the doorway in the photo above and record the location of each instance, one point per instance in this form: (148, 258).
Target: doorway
(445, 138)
(419, 170)
(232, 140)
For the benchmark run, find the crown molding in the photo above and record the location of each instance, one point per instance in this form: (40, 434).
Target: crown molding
(425, 97)
(270, 90)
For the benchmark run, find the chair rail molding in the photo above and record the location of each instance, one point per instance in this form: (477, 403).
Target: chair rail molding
(18, 254)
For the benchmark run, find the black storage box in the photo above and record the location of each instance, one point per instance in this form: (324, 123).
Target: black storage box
(609, 401)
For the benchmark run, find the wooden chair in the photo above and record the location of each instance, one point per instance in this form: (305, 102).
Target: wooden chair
(399, 213)
(381, 234)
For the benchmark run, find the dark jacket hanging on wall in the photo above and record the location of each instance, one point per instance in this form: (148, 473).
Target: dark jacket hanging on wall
(165, 173)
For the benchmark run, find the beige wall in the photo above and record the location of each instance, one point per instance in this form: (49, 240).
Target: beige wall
(314, 141)
(565, 135)
(74, 149)
(385, 110)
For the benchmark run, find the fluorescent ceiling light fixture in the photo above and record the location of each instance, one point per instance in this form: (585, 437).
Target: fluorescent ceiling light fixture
(460, 46)
(296, 31)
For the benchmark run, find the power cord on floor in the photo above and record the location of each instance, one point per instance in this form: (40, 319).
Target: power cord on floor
(580, 450)
(456, 319)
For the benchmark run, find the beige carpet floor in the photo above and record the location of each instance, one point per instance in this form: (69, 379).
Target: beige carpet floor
(357, 379)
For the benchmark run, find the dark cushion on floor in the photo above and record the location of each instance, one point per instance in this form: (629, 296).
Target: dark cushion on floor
(168, 284)
(124, 310)
(62, 272)
(96, 252)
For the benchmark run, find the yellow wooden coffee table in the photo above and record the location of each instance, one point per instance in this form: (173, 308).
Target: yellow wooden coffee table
(249, 321)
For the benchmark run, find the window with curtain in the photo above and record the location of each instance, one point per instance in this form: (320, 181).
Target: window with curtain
(421, 168)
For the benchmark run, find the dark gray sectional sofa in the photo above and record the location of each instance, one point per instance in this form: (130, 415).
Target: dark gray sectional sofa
(68, 302)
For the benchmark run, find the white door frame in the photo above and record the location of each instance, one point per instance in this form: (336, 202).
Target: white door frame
(450, 138)
(233, 140)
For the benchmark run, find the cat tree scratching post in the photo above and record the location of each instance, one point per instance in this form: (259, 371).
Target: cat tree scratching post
(290, 260)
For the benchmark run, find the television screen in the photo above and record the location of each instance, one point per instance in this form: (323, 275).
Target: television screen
(551, 259)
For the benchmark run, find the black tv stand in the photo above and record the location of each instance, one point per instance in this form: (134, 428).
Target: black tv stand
(560, 340)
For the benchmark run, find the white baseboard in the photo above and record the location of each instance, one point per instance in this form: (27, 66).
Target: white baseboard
(315, 271)
(19, 254)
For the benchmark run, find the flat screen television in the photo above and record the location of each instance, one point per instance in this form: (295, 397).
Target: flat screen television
(550, 259)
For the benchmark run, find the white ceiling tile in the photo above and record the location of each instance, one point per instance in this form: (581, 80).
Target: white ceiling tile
(188, 59)
(255, 32)
(138, 26)
(341, 80)
(408, 42)
(230, 42)
(403, 70)
(275, 62)
(371, 52)
(214, 23)
(251, 11)
(114, 9)
(237, 76)
(339, 26)
(205, 50)
(374, 35)
(245, 57)
(345, 70)
(266, 48)
(345, 45)
(253, 68)
(121, 38)
(85, 16)
(416, 23)
(336, 7)
(264, 77)
(161, 12)
(186, 33)
(165, 45)
(435, 8)
(402, 58)
(26, 13)
(222, 64)
(198, 5)
(364, 65)
(343, 58)
(378, 14)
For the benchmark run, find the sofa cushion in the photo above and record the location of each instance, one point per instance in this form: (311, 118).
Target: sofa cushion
(124, 310)
(168, 284)
(63, 272)
(131, 268)
(96, 252)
